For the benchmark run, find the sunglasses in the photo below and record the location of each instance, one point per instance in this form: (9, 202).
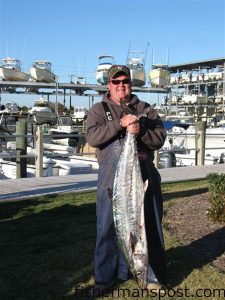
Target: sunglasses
(117, 81)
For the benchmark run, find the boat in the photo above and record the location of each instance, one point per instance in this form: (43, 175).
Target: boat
(85, 160)
(70, 167)
(136, 64)
(159, 75)
(41, 71)
(214, 139)
(51, 167)
(64, 133)
(9, 113)
(8, 169)
(80, 114)
(43, 112)
(10, 70)
(9, 107)
(79, 80)
(105, 62)
(175, 154)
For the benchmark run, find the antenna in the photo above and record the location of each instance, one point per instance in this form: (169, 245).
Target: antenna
(167, 57)
(153, 54)
(146, 52)
(85, 64)
(74, 65)
(23, 49)
(7, 49)
(128, 52)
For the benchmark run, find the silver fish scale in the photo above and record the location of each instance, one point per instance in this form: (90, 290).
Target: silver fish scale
(128, 209)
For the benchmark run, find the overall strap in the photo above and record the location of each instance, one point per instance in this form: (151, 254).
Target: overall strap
(107, 111)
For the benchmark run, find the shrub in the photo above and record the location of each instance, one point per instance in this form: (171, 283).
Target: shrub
(217, 196)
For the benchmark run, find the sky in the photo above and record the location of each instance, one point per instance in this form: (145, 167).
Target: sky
(72, 34)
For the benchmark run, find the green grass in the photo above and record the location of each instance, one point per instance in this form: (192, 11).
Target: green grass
(47, 246)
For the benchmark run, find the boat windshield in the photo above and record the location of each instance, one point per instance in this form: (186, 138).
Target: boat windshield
(65, 120)
(11, 63)
(106, 60)
(42, 65)
(80, 109)
(160, 66)
(136, 66)
(41, 104)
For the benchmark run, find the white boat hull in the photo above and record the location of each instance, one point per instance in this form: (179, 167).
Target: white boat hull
(214, 139)
(85, 160)
(8, 170)
(102, 73)
(67, 138)
(51, 167)
(42, 75)
(159, 77)
(189, 160)
(44, 112)
(138, 77)
(42, 117)
(68, 167)
(8, 74)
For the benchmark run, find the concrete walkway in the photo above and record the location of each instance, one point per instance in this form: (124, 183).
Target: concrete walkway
(25, 188)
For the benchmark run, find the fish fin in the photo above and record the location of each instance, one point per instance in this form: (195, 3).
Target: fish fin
(133, 241)
(110, 193)
(145, 185)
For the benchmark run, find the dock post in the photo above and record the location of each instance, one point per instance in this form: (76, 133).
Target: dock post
(156, 158)
(21, 148)
(200, 131)
(39, 153)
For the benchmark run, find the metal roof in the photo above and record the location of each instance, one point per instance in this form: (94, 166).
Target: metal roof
(205, 64)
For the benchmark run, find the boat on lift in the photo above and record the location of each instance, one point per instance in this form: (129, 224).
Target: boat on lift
(79, 80)
(10, 70)
(136, 64)
(105, 62)
(41, 71)
(159, 75)
(43, 112)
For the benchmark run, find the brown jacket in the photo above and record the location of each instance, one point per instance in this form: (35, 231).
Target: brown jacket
(101, 132)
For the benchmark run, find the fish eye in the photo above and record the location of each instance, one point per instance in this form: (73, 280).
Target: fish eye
(139, 273)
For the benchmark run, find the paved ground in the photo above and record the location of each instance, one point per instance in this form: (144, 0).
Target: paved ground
(17, 189)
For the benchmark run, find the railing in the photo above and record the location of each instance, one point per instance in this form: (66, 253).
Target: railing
(21, 155)
(199, 147)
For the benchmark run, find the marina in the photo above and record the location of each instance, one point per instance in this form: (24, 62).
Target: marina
(61, 136)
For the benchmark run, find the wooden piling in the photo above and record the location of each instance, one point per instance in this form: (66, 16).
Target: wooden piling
(200, 131)
(21, 148)
(156, 158)
(39, 152)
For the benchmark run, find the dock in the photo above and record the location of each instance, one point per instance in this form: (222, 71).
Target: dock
(28, 188)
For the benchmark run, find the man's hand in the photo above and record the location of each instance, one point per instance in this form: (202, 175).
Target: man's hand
(130, 122)
(134, 128)
(127, 120)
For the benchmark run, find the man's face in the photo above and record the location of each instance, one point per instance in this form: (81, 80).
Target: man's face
(119, 88)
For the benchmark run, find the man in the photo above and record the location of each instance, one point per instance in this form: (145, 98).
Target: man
(106, 128)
